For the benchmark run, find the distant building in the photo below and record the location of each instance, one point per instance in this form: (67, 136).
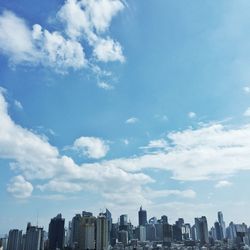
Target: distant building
(202, 230)
(123, 237)
(222, 225)
(34, 238)
(142, 217)
(87, 232)
(14, 240)
(56, 233)
(75, 231)
(102, 232)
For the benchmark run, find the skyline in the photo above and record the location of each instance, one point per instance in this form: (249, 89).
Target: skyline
(118, 104)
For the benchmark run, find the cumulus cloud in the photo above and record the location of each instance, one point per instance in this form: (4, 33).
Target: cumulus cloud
(19, 187)
(86, 22)
(37, 46)
(91, 147)
(108, 50)
(132, 120)
(90, 20)
(223, 183)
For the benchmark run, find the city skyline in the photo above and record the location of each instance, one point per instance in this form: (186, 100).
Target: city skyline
(119, 104)
(87, 231)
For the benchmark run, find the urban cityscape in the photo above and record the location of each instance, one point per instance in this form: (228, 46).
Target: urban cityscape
(88, 232)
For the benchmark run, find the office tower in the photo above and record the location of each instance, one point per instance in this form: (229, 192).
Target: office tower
(222, 225)
(218, 231)
(87, 232)
(142, 215)
(109, 218)
(167, 232)
(114, 233)
(177, 233)
(186, 231)
(123, 222)
(102, 233)
(14, 239)
(56, 233)
(142, 233)
(123, 237)
(202, 230)
(159, 231)
(150, 232)
(194, 233)
(34, 238)
(75, 231)
(164, 219)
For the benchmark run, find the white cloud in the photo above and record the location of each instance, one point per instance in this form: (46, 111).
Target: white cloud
(91, 147)
(108, 50)
(19, 187)
(132, 120)
(18, 104)
(105, 85)
(191, 115)
(246, 89)
(89, 20)
(157, 144)
(247, 112)
(38, 46)
(223, 183)
(16, 38)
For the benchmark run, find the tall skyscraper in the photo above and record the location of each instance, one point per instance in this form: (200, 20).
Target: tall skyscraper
(218, 231)
(142, 216)
(222, 224)
(102, 232)
(202, 229)
(75, 231)
(109, 218)
(14, 240)
(87, 232)
(123, 222)
(56, 233)
(34, 238)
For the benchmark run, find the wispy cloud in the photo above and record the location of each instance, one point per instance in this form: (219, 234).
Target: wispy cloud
(223, 183)
(247, 112)
(18, 104)
(191, 115)
(132, 120)
(105, 85)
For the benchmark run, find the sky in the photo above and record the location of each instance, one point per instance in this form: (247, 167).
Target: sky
(121, 103)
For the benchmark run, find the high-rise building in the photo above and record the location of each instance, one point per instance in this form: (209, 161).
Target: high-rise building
(123, 237)
(109, 218)
(142, 216)
(218, 231)
(87, 233)
(34, 238)
(3, 243)
(56, 233)
(102, 232)
(202, 230)
(222, 224)
(167, 232)
(123, 222)
(14, 239)
(75, 231)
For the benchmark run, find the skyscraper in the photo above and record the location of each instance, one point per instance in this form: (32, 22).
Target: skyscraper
(102, 232)
(142, 215)
(14, 240)
(87, 233)
(56, 233)
(34, 239)
(222, 225)
(202, 229)
(123, 222)
(75, 230)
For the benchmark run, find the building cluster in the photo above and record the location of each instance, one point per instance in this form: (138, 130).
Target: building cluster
(88, 232)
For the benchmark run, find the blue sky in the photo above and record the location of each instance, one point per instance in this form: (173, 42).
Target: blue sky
(117, 104)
